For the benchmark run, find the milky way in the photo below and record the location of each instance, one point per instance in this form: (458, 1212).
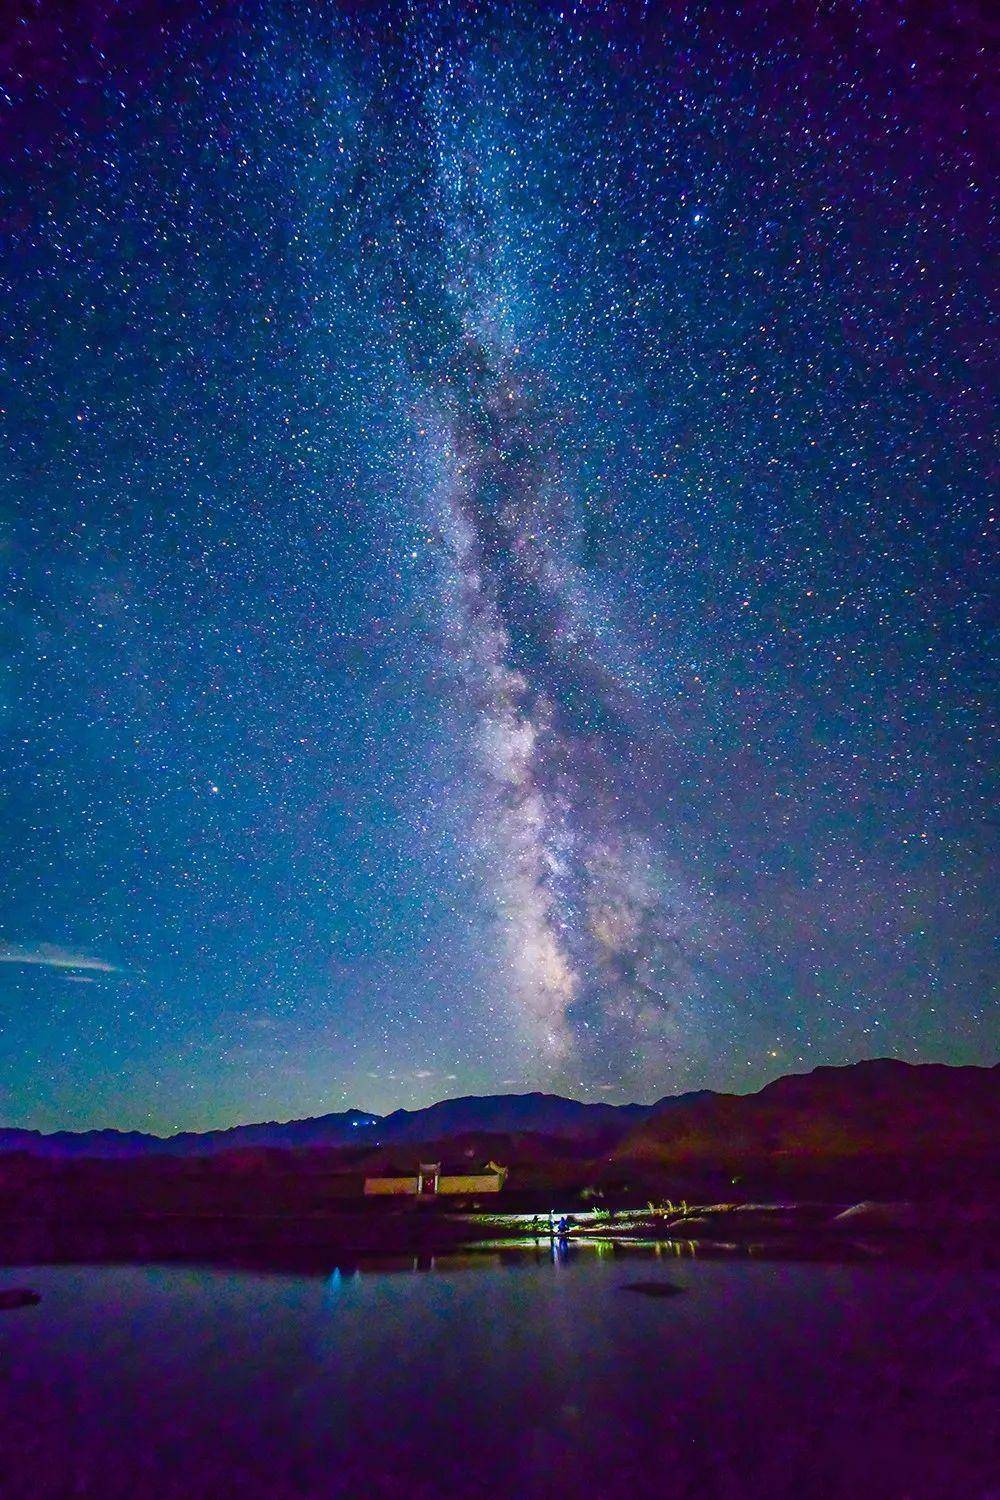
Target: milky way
(595, 949)
(594, 934)
(596, 944)
(497, 508)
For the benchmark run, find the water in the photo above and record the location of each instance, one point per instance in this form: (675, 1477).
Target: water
(525, 1379)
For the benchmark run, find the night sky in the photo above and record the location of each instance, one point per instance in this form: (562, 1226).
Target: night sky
(494, 521)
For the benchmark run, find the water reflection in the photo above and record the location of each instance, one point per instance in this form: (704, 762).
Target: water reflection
(761, 1380)
(560, 1250)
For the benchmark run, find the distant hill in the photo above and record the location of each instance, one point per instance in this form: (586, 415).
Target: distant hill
(540, 1114)
(878, 1110)
(865, 1111)
(345, 1129)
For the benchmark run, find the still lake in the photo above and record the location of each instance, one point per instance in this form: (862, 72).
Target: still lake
(517, 1377)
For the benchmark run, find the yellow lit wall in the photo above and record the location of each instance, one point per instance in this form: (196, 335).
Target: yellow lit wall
(489, 1182)
(390, 1185)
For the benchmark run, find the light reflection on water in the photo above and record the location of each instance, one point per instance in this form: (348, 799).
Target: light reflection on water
(528, 1251)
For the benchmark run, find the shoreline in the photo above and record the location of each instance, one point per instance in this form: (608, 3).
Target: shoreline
(877, 1232)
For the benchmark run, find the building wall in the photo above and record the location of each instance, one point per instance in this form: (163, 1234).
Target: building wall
(390, 1185)
(488, 1182)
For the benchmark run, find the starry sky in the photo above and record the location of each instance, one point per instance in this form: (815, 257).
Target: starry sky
(494, 513)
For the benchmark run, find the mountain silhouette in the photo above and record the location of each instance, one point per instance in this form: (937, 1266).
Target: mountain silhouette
(877, 1108)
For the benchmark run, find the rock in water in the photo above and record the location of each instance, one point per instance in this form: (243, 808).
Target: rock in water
(18, 1296)
(653, 1288)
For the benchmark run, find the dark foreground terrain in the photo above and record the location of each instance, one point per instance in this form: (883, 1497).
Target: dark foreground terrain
(880, 1158)
(932, 1230)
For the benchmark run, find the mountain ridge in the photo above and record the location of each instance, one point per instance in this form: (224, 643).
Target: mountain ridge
(877, 1107)
(688, 1125)
(551, 1114)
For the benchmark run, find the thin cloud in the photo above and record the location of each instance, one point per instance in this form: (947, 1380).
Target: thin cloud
(51, 956)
